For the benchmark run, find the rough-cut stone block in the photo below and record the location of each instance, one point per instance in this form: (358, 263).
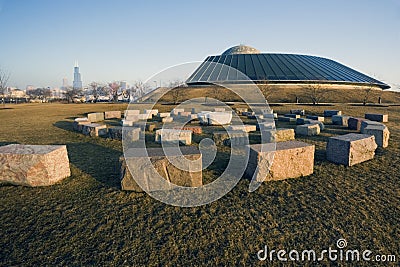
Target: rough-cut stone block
(315, 118)
(115, 132)
(219, 109)
(167, 119)
(291, 159)
(194, 129)
(246, 128)
(240, 110)
(150, 161)
(230, 137)
(248, 113)
(270, 116)
(350, 149)
(112, 114)
(129, 133)
(302, 121)
(287, 119)
(367, 123)
(163, 115)
(184, 114)
(173, 135)
(308, 129)
(262, 126)
(131, 117)
(202, 117)
(267, 111)
(192, 117)
(95, 117)
(278, 135)
(354, 123)
(380, 133)
(145, 116)
(145, 126)
(78, 124)
(320, 124)
(33, 165)
(131, 113)
(176, 111)
(127, 123)
(151, 112)
(95, 129)
(340, 120)
(377, 117)
(330, 113)
(219, 118)
(296, 116)
(298, 112)
(259, 117)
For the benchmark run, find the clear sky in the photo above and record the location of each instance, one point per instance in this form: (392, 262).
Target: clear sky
(132, 40)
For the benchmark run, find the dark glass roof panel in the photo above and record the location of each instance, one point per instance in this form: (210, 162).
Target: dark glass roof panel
(277, 67)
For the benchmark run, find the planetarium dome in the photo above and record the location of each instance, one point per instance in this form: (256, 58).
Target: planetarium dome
(243, 64)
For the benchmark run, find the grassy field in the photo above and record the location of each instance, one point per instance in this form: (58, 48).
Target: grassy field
(87, 220)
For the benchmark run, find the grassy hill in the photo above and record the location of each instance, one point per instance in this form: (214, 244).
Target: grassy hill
(286, 95)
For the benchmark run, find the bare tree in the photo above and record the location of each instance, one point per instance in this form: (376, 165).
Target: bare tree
(316, 92)
(40, 93)
(97, 90)
(367, 94)
(71, 93)
(4, 77)
(267, 90)
(114, 90)
(140, 89)
(176, 91)
(176, 95)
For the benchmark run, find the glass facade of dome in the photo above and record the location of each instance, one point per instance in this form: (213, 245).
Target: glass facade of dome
(276, 68)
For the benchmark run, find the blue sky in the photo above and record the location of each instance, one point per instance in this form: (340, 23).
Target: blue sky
(132, 40)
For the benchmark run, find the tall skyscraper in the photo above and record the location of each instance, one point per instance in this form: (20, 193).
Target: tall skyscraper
(77, 84)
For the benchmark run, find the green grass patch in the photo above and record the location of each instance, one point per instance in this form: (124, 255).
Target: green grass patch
(87, 220)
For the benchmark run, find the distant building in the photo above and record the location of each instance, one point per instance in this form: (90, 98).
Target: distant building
(64, 84)
(124, 85)
(17, 93)
(77, 84)
(57, 92)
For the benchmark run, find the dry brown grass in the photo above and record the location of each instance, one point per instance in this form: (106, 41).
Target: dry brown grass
(87, 220)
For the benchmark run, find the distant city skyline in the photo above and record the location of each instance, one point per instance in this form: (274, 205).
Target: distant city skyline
(132, 40)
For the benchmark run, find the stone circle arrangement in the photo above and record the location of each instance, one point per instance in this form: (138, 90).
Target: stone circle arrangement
(43, 165)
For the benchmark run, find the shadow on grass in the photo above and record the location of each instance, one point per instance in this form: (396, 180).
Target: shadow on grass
(7, 143)
(65, 125)
(320, 155)
(369, 105)
(100, 162)
(337, 130)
